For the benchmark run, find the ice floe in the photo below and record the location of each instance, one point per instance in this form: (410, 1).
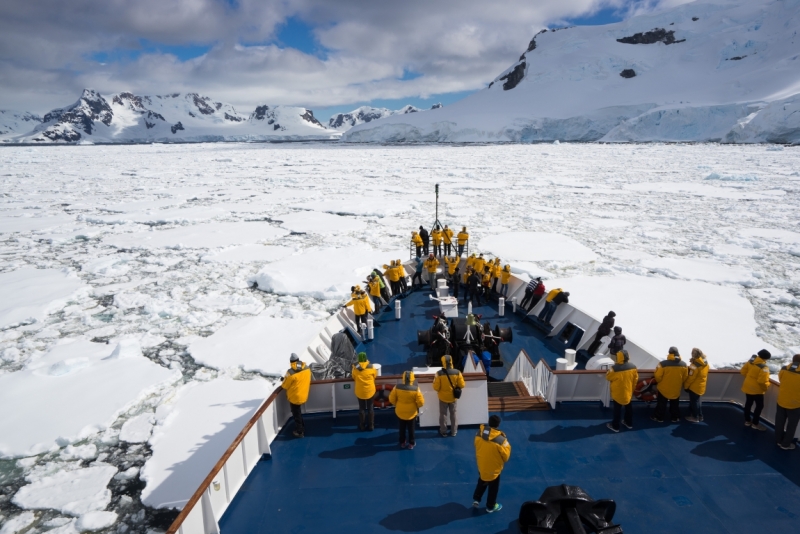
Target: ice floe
(208, 235)
(249, 254)
(74, 492)
(312, 222)
(536, 246)
(31, 294)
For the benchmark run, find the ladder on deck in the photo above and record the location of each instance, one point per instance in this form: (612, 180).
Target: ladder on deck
(513, 397)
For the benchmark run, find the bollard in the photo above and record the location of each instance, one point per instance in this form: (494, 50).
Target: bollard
(514, 304)
(370, 329)
(363, 328)
(501, 306)
(469, 307)
(397, 310)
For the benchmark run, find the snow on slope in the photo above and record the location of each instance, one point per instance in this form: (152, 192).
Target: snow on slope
(344, 121)
(129, 118)
(710, 70)
(16, 122)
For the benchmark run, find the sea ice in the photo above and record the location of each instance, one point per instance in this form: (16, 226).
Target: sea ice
(31, 294)
(701, 269)
(138, 428)
(74, 492)
(313, 222)
(194, 430)
(18, 523)
(260, 343)
(535, 246)
(97, 520)
(207, 235)
(249, 254)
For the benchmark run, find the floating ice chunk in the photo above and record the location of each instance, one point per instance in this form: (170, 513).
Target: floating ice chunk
(93, 521)
(137, 429)
(176, 215)
(701, 190)
(248, 253)
(243, 343)
(31, 294)
(18, 523)
(58, 401)
(28, 224)
(312, 222)
(74, 492)
(530, 269)
(605, 223)
(235, 303)
(365, 205)
(657, 313)
(128, 474)
(323, 273)
(773, 234)
(732, 178)
(535, 246)
(81, 452)
(110, 266)
(701, 269)
(210, 235)
(195, 430)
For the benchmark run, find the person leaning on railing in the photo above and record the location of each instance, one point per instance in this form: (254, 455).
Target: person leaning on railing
(788, 409)
(407, 400)
(670, 375)
(416, 240)
(447, 381)
(695, 385)
(756, 383)
(622, 379)
(401, 272)
(364, 379)
(297, 384)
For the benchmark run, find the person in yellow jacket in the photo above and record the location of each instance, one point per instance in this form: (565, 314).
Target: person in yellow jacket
(401, 273)
(788, 410)
(392, 272)
(462, 238)
(416, 240)
(496, 271)
(479, 264)
(431, 264)
(505, 278)
(451, 262)
(756, 382)
(446, 382)
(447, 237)
(492, 451)
(361, 307)
(436, 237)
(407, 400)
(670, 375)
(622, 378)
(364, 382)
(375, 291)
(695, 385)
(469, 266)
(297, 383)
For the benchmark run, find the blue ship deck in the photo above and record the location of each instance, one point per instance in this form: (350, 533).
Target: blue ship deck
(395, 345)
(714, 477)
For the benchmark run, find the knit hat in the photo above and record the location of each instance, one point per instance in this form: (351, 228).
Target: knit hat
(612, 314)
(362, 356)
(618, 330)
(764, 354)
(674, 350)
(294, 358)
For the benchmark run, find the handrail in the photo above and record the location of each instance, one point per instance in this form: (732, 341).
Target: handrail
(198, 494)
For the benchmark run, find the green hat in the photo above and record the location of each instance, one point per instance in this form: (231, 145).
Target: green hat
(362, 356)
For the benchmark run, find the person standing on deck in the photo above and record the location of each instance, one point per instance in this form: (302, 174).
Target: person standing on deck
(447, 237)
(297, 384)
(426, 239)
(602, 331)
(492, 451)
(407, 400)
(455, 282)
(393, 274)
(417, 241)
(670, 375)
(430, 265)
(486, 282)
(529, 289)
(622, 378)
(695, 385)
(470, 265)
(375, 291)
(505, 277)
(617, 342)
(756, 383)
(551, 303)
(401, 272)
(417, 272)
(496, 271)
(462, 238)
(436, 237)
(473, 288)
(361, 306)
(364, 378)
(788, 409)
(479, 264)
(445, 384)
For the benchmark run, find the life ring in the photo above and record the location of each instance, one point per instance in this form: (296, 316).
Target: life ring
(382, 392)
(646, 390)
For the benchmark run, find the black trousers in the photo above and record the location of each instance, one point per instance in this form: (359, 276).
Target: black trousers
(395, 287)
(472, 295)
(366, 405)
(417, 276)
(403, 283)
(618, 414)
(407, 427)
(419, 252)
(437, 250)
(596, 343)
(534, 301)
(448, 248)
(527, 298)
(426, 247)
(786, 424)
(758, 400)
(661, 407)
(360, 319)
(297, 413)
(494, 487)
(454, 284)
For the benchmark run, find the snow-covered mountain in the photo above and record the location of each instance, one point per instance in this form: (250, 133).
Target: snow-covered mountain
(344, 121)
(710, 70)
(13, 123)
(128, 118)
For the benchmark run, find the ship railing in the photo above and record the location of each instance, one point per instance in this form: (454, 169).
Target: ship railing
(539, 380)
(204, 509)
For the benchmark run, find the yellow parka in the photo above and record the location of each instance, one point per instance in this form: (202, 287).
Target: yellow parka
(756, 376)
(360, 304)
(479, 264)
(364, 377)
(297, 382)
(447, 236)
(392, 273)
(375, 287)
(492, 451)
(789, 392)
(416, 239)
(367, 302)
(505, 274)
(451, 265)
(436, 237)
(697, 376)
(670, 375)
(552, 294)
(496, 270)
(401, 271)
(622, 377)
(462, 237)
(486, 279)
(431, 264)
(407, 398)
(441, 384)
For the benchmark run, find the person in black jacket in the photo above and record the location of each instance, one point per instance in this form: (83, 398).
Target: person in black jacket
(617, 342)
(423, 234)
(603, 330)
(529, 289)
(473, 288)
